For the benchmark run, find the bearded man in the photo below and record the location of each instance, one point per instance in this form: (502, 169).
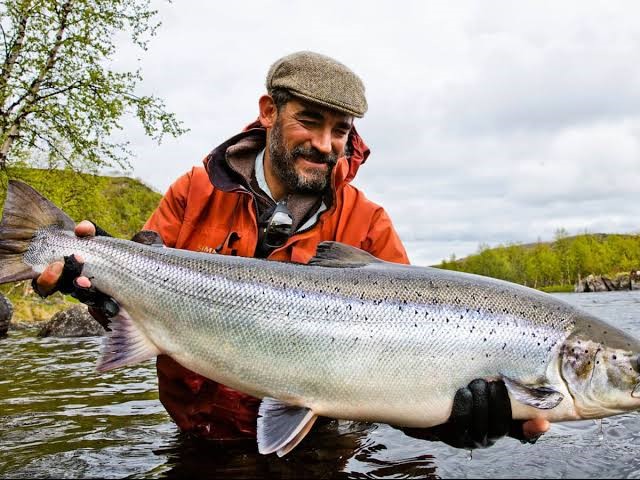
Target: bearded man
(276, 190)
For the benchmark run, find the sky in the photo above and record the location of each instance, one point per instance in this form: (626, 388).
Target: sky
(489, 122)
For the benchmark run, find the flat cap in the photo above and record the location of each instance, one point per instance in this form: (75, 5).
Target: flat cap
(319, 79)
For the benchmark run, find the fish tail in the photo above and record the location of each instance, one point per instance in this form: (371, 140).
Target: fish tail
(25, 212)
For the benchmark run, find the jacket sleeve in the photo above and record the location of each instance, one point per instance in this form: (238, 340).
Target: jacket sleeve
(168, 217)
(382, 240)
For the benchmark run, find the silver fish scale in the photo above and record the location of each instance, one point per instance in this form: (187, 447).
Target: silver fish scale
(363, 343)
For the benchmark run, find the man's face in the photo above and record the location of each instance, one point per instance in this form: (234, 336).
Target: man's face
(305, 143)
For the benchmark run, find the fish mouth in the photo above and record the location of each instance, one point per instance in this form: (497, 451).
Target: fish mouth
(636, 391)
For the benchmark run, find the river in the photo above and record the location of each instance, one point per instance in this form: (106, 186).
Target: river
(61, 419)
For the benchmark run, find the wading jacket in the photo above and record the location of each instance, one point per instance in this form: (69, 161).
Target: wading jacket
(213, 208)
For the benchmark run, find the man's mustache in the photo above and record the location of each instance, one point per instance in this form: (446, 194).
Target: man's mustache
(315, 155)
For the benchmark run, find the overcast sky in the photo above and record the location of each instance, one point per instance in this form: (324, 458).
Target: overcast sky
(489, 122)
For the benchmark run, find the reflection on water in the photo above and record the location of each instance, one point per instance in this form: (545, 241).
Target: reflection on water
(61, 419)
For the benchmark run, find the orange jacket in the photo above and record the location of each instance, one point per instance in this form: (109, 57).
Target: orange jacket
(205, 210)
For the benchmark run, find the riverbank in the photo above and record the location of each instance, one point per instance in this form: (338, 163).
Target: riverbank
(29, 310)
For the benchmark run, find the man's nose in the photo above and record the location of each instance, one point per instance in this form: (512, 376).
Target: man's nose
(322, 141)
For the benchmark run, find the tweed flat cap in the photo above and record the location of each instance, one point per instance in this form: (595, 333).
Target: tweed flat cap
(319, 79)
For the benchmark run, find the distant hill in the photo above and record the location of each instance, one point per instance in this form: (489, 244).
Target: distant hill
(554, 265)
(119, 205)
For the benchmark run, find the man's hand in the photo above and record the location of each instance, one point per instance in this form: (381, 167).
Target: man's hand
(481, 415)
(67, 277)
(48, 281)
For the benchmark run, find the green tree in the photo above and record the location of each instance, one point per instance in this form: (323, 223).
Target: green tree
(58, 93)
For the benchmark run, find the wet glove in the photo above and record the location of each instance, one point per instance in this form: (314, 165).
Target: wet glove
(481, 414)
(101, 307)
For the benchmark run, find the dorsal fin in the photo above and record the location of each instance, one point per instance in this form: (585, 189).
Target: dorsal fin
(340, 255)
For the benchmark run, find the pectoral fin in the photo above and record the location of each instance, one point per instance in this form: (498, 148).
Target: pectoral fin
(281, 427)
(538, 396)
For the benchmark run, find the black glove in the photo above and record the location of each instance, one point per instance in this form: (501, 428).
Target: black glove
(481, 415)
(101, 307)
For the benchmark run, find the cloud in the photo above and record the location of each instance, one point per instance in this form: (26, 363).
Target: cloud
(489, 123)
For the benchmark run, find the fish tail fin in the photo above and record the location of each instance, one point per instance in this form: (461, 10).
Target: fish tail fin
(25, 212)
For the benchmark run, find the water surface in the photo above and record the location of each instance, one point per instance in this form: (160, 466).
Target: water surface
(61, 419)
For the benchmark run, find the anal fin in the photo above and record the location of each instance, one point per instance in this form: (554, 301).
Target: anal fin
(125, 344)
(281, 427)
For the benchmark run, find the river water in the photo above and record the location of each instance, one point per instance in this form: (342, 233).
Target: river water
(61, 419)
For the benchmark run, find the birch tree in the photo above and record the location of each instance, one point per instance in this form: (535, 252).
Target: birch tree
(59, 92)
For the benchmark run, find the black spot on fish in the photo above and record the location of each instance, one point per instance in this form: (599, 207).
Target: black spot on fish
(614, 357)
(504, 346)
(415, 325)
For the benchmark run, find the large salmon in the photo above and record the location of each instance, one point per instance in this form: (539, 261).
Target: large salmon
(348, 336)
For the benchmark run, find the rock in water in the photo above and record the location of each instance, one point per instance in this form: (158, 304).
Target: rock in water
(6, 311)
(73, 322)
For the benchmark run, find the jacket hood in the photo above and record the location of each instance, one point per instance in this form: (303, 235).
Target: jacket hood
(344, 172)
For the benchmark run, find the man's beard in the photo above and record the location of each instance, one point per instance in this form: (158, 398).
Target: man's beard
(283, 162)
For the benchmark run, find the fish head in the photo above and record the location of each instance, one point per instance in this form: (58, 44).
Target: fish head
(600, 366)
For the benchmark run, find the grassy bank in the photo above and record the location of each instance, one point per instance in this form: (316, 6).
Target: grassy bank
(119, 205)
(554, 266)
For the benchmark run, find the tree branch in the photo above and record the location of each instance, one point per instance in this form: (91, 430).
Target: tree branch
(12, 56)
(76, 84)
(34, 88)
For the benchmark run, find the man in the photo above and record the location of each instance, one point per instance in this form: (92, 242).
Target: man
(275, 191)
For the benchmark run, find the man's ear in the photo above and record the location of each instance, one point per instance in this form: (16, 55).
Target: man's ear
(268, 111)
